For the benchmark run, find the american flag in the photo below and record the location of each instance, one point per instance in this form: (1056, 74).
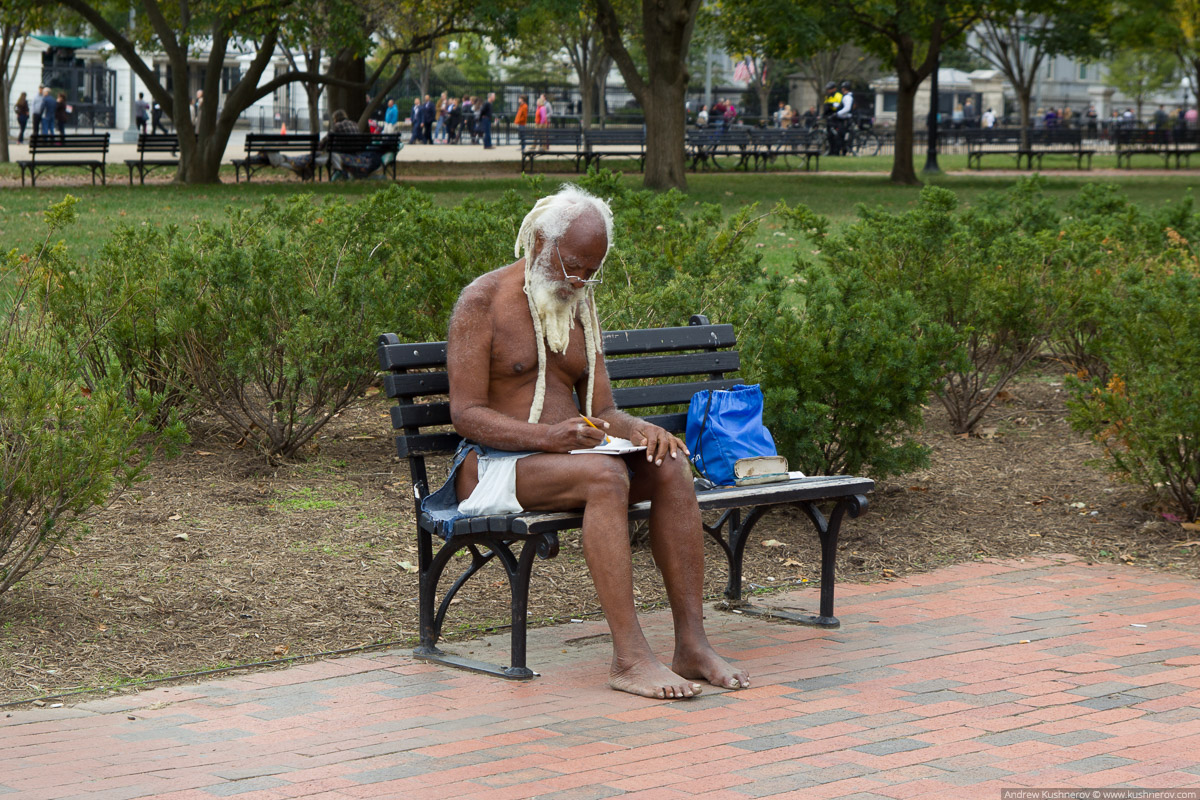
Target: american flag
(744, 71)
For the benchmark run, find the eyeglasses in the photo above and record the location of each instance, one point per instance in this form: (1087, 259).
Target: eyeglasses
(585, 281)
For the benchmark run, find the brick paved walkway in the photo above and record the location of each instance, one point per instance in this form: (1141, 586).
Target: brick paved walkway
(974, 678)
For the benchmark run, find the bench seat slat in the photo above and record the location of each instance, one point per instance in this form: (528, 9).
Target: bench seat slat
(792, 491)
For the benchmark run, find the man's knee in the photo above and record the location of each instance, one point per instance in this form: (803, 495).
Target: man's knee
(608, 480)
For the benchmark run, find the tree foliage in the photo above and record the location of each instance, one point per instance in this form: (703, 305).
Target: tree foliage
(1017, 36)
(224, 28)
(666, 35)
(18, 18)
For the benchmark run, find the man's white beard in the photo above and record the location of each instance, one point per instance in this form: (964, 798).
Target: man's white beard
(557, 314)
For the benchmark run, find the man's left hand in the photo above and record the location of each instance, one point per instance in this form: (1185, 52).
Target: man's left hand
(659, 444)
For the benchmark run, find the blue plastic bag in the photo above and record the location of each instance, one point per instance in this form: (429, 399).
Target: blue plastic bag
(723, 426)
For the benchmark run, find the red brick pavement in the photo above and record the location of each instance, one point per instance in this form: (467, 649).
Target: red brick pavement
(1037, 673)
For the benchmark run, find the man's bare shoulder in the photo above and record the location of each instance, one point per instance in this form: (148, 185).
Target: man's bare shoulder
(484, 290)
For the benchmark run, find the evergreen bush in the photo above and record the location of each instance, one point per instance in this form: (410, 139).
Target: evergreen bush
(845, 373)
(976, 272)
(69, 441)
(114, 311)
(283, 303)
(1146, 416)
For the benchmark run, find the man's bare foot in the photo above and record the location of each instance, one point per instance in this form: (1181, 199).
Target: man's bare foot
(704, 664)
(651, 679)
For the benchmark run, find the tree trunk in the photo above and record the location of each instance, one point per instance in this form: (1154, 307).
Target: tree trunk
(764, 99)
(666, 164)
(1025, 97)
(350, 68)
(8, 40)
(4, 154)
(586, 91)
(313, 90)
(903, 170)
(667, 27)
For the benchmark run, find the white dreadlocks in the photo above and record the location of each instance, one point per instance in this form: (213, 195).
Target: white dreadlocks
(550, 217)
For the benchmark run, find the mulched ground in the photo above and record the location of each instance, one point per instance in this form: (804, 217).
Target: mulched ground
(222, 559)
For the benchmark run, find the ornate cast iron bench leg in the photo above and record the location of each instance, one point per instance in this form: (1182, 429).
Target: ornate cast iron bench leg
(734, 545)
(483, 548)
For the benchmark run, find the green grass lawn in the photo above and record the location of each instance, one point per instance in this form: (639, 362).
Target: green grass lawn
(835, 193)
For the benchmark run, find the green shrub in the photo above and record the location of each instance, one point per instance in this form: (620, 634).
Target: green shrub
(977, 272)
(283, 303)
(845, 373)
(68, 443)
(1147, 415)
(113, 310)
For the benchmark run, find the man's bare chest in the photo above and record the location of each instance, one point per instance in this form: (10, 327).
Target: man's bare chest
(515, 355)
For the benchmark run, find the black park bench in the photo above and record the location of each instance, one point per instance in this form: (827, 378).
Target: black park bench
(258, 145)
(551, 143)
(772, 143)
(384, 145)
(657, 369)
(1036, 143)
(88, 150)
(627, 143)
(708, 145)
(153, 143)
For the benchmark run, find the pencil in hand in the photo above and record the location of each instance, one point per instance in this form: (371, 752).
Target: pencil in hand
(589, 422)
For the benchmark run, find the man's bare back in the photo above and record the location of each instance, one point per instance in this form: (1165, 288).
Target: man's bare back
(494, 362)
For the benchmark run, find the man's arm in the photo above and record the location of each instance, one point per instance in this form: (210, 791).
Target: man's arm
(468, 364)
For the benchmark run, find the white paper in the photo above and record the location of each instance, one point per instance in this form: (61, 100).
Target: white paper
(615, 446)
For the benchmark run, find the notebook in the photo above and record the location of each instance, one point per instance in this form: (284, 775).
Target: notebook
(615, 446)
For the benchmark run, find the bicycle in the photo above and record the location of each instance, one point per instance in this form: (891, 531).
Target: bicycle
(861, 138)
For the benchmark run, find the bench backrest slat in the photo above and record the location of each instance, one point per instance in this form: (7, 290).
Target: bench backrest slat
(293, 140)
(416, 384)
(364, 142)
(69, 143)
(665, 394)
(395, 355)
(668, 366)
(658, 340)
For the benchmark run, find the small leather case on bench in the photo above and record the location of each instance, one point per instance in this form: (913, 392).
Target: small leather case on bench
(760, 469)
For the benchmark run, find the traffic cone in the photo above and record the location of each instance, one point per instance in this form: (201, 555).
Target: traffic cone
(283, 129)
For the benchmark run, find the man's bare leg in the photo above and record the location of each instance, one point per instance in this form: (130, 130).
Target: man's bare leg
(677, 543)
(600, 484)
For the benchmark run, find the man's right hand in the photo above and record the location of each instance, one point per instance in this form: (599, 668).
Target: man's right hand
(575, 434)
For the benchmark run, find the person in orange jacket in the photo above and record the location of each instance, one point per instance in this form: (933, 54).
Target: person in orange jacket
(522, 116)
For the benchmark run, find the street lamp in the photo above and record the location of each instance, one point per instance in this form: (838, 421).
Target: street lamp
(931, 162)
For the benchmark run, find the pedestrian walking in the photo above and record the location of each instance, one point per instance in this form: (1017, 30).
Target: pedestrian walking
(141, 112)
(35, 111)
(156, 115)
(60, 114)
(49, 109)
(485, 120)
(22, 109)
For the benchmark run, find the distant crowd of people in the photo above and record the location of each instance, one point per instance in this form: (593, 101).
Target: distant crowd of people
(47, 110)
(453, 120)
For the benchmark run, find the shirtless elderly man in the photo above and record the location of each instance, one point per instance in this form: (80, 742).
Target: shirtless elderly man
(523, 339)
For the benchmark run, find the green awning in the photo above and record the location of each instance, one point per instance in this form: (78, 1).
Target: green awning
(70, 42)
